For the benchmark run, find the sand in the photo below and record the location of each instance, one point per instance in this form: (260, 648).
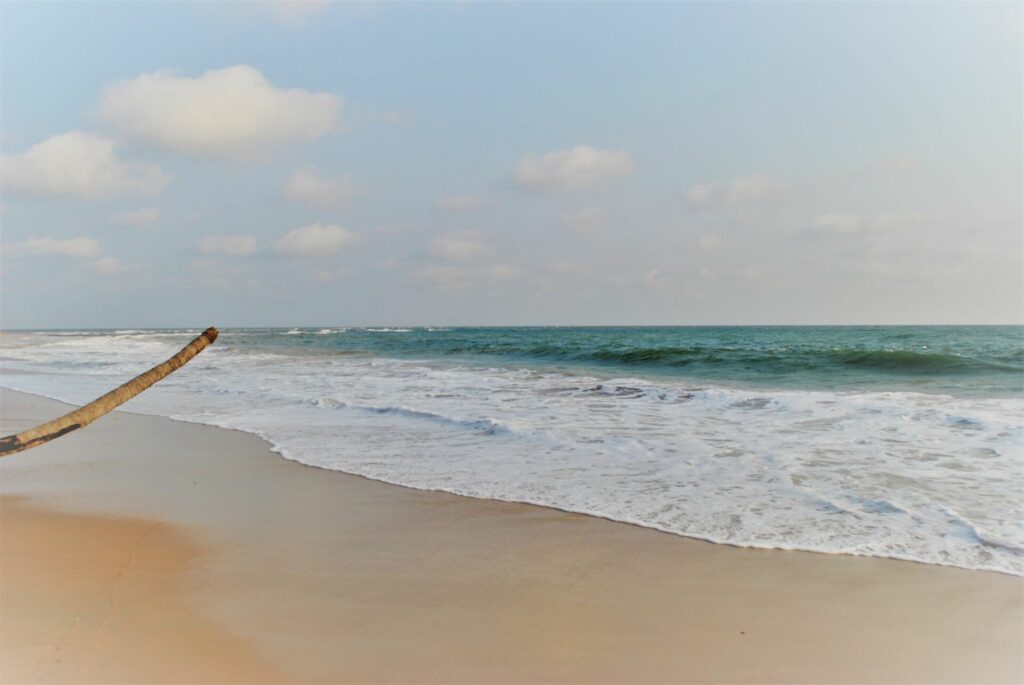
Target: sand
(144, 549)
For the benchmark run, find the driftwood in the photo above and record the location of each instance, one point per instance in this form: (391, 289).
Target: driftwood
(98, 407)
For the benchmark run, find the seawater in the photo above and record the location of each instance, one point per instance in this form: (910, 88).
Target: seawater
(903, 442)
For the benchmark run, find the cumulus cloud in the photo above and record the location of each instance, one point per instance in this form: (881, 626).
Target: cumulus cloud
(504, 272)
(739, 191)
(852, 223)
(457, 247)
(306, 186)
(585, 219)
(460, 203)
(702, 192)
(711, 241)
(77, 164)
(314, 241)
(446, 277)
(230, 113)
(839, 223)
(572, 169)
(236, 245)
(458, 277)
(138, 217)
(107, 266)
(71, 247)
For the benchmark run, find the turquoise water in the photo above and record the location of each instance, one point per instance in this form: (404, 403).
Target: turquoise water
(959, 360)
(904, 442)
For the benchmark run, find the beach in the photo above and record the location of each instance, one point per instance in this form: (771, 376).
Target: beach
(146, 549)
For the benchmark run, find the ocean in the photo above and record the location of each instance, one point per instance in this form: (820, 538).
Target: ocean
(902, 442)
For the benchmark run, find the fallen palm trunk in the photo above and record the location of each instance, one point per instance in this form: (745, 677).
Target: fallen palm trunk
(98, 407)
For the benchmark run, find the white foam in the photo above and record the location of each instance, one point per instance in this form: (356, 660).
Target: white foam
(912, 476)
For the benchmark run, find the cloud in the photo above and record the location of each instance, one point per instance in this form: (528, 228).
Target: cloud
(236, 245)
(71, 247)
(306, 186)
(571, 169)
(205, 272)
(851, 223)
(233, 113)
(586, 219)
(138, 217)
(453, 277)
(460, 203)
(710, 241)
(445, 277)
(565, 268)
(702, 192)
(504, 272)
(107, 266)
(77, 164)
(314, 241)
(739, 191)
(457, 247)
(838, 223)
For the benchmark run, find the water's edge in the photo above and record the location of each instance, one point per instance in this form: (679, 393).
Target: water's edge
(282, 452)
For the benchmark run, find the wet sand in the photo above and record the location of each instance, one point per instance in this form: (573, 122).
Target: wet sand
(144, 549)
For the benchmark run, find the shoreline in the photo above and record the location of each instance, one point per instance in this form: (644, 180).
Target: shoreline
(274, 449)
(451, 588)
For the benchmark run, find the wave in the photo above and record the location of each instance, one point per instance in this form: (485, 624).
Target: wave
(778, 361)
(478, 426)
(905, 474)
(903, 360)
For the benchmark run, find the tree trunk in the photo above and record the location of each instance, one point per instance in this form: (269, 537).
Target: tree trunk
(98, 407)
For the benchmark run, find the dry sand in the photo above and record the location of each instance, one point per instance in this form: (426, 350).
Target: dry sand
(147, 550)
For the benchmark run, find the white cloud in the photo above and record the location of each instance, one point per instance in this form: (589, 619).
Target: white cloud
(888, 221)
(851, 223)
(739, 191)
(504, 272)
(460, 277)
(236, 244)
(747, 188)
(77, 164)
(107, 266)
(702, 192)
(572, 169)
(564, 268)
(460, 203)
(314, 241)
(306, 186)
(233, 112)
(446, 277)
(214, 273)
(71, 247)
(839, 223)
(586, 219)
(138, 217)
(457, 247)
(710, 241)
(653, 278)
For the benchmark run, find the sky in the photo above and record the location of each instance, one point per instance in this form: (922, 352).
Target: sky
(317, 164)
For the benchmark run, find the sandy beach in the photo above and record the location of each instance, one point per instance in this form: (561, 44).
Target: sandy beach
(143, 549)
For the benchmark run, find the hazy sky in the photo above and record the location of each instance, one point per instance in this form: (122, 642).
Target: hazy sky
(176, 164)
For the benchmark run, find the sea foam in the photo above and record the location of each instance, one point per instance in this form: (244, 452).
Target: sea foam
(924, 477)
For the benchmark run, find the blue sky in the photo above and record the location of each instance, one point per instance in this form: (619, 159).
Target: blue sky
(170, 164)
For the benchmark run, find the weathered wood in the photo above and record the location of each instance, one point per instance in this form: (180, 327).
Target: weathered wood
(83, 416)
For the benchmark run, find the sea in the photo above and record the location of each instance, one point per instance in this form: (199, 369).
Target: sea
(887, 441)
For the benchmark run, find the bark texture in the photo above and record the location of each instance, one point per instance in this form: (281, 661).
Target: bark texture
(34, 437)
